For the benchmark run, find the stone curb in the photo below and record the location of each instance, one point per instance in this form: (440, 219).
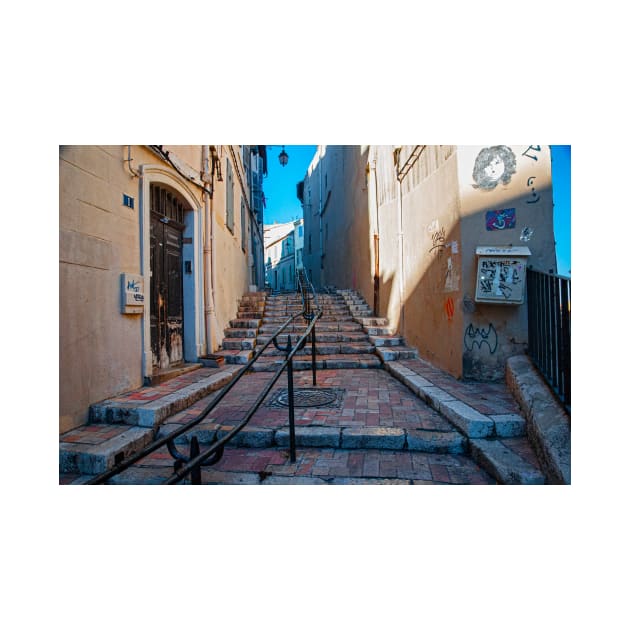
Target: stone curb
(548, 424)
(387, 438)
(467, 420)
(503, 464)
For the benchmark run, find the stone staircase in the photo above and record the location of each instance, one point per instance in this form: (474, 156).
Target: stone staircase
(348, 335)
(240, 338)
(388, 345)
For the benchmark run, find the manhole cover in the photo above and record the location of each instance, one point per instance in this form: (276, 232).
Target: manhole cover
(309, 397)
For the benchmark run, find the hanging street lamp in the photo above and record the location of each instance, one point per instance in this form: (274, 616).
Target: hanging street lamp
(283, 157)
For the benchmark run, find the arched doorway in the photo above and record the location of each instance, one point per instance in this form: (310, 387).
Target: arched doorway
(167, 209)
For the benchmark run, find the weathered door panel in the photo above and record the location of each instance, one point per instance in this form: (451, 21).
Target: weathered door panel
(167, 308)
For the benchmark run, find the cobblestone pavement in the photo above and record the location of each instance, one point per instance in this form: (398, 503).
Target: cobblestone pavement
(370, 398)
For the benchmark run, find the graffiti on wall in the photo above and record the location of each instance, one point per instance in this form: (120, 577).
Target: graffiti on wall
(530, 151)
(439, 241)
(479, 336)
(501, 219)
(493, 165)
(526, 234)
(535, 196)
(449, 309)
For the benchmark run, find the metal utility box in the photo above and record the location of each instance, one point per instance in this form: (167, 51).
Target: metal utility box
(501, 274)
(132, 293)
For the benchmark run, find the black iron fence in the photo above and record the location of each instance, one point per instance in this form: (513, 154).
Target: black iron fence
(549, 323)
(190, 465)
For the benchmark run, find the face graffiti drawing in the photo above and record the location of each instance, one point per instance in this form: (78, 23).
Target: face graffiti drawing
(493, 165)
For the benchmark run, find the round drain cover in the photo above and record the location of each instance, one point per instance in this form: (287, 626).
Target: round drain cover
(308, 397)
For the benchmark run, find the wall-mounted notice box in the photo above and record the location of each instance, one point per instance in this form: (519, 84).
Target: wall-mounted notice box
(501, 274)
(132, 293)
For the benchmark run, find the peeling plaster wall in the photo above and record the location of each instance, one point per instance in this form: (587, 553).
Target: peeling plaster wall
(494, 332)
(101, 349)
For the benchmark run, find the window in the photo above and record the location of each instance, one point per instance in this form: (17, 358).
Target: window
(300, 231)
(229, 197)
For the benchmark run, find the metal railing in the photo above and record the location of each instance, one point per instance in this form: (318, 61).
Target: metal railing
(549, 325)
(191, 464)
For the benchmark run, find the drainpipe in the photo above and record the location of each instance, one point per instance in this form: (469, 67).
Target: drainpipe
(208, 253)
(373, 202)
(401, 283)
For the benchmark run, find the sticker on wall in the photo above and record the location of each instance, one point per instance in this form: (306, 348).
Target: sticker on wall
(454, 247)
(493, 165)
(501, 219)
(526, 234)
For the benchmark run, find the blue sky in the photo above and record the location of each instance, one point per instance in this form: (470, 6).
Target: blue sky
(283, 204)
(280, 183)
(561, 182)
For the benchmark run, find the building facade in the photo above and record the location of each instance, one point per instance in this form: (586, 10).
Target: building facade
(157, 245)
(283, 254)
(437, 239)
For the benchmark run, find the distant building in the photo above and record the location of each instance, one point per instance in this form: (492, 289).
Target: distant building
(283, 254)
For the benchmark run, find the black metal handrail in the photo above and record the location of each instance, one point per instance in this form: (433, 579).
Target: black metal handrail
(217, 448)
(182, 463)
(549, 326)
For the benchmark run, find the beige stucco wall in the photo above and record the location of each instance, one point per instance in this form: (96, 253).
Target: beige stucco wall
(428, 292)
(101, 349)
(430, 268)
(529, 193)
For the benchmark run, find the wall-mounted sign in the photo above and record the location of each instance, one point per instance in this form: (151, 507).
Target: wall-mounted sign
(132, 293)
(501, 274)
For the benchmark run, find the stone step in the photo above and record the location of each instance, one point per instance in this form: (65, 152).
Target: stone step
(89, 451)
(367, 322)
(240, 332)
(386, 340)
(245, 323)
(506, 466)
(249, 314)
(239, 343)
(151, 413)
(332, 361)
(269, 329)
(325, 349)
(388, 438)
(396, 353)
(379, 331)
(236, 357)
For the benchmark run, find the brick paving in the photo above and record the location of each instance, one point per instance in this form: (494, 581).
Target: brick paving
(371, 398)
(486, 398)
(260, 466)
(155, 392)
